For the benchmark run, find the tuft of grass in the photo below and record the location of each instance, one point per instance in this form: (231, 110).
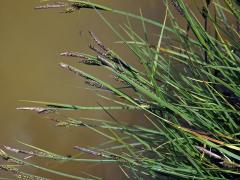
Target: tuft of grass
(193, 113)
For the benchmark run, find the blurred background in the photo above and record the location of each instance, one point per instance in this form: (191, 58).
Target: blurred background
(30, 43)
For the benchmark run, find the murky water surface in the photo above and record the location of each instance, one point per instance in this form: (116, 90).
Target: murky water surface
(30, 43)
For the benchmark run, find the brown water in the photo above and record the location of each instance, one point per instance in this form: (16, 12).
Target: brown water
(30, 42)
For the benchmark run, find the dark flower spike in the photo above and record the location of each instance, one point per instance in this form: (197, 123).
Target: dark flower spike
(89, 151)
(96, 84)
(108, 54)
(88, 81)
(123, 64)
(19, 151)
(209, 153)
(98, 51)
(86, 5)
(83, 59)
(105, 62)
(71, 7)
(224, 161)
(72, 54)
(100, 44)
(90, 62)
(177, 7)
(37, 153)
(105, 57)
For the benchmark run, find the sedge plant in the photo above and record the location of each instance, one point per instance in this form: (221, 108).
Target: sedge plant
(193, 113)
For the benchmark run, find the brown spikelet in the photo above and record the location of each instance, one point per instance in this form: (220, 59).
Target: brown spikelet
(71, 54)
(100, 44)
(51, 6)
(40, 110)
(72, 69)
(209, 153)
(89, 151)
(177, 7)
(96, 84)
(83, 59)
